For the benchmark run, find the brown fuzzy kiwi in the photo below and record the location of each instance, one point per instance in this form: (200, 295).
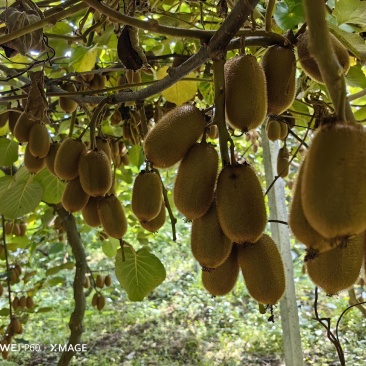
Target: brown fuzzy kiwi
(209, 244)
(4, 118)
(196, 179)
(116, 117)
(284, 130)
(333, 188)
(222, 279)
(339, 268)
(67, 158)
(15, 303)
(74, 198)
(98, 82)
(172, 137)
(29, 302)
(9, 227)
(66, 103)
(23, 127)
(100, 302)
(34, 165)
(240, 204)
(263, 271)
(16, 325)
(156, 223)
(13, 119)
(273, 129)
(23, 228)
(300, 226)
(86, 282)
(245, 93)
(308, 62)
(283, 160)
(90, 212)
(99, 281)
(147, 196)
(279, 65)
(95, 172)
(112, 216)
(16, 229)
(22, 302)
(95, 299)
(51, 156)
(213, 132)
(108, 280)
(103, 144)
(39, 140)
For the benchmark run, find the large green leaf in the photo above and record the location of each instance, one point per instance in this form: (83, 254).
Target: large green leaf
(83, 58)
(354, 42)
(140, 273)
(5, 183)
(52, 186)
(8, 151)
(110, 246)
(350, 11)
(289, 13)
(356, 77)
(136, 156)
(21, 198)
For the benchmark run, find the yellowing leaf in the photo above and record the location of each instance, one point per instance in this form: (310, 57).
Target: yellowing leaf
(182, 91)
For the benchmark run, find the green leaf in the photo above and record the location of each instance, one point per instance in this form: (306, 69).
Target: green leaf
(8, 151)
(140, 273)
(21, 198)
(360, 114)
(5, 183)
(136, 156)
(53, 188)
(45, 309)
(182, 91)
(4, 312)
(352, 41)
(350, 11)
(54, 281)
(355, 77)
(56, 269)
(106, 35)
(110, 247)
(207, 90)
(20, 241)
(83, 58)
(56, 248)
(289, 13)
(62, 28)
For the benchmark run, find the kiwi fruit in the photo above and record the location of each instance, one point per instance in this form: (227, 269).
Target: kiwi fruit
(103, 144)
(29, 302)
(240, 204)
(284, 130)
(196, 179)
(112, 216)
(147, 196)
(339, 268)
(50, 158)
(222, 279)
(298, 223)
(1, 289)
(213, 132)
(308, 62)
(95, 299)
(16, 325)
(98, 82)
(171, 138)
(273, 130)
(23, 127)
(245, 93)
(95, 172)
(333, 190)
(23, 228)
(66, 103)
(4, 118)
(74, 198)
(13, 119)
(100, 302)
(156, 223)
(9, 227)
(108, 280)
(283, 162)
(90, 212)
(116, 117)
(279, 65)
(15, 303)
(263, 271)
(39, 140)
(86, 282)
(209, 244)
(16, 230)
(67, 158)
(99, 281)
(34, 165)
(22, 302)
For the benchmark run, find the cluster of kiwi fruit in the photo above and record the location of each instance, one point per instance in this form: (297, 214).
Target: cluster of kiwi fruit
(227, 210)
(328, 211)
(99, 281)
(15, 327)
(23, 302)
(15, 228)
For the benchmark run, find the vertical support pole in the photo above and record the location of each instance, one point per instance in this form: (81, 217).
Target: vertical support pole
(280, 234)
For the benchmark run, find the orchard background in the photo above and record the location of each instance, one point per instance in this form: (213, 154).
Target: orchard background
(120, 66)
